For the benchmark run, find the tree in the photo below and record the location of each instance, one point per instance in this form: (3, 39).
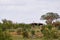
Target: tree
(7, 24)
(49, 17)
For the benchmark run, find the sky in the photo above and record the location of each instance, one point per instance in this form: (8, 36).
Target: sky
(27, 11)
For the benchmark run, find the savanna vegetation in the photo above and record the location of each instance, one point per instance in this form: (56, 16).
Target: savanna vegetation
(22, 31)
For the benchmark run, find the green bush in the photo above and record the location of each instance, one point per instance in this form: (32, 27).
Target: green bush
(4, 36)
(19, 31)
(49, 33)
(25, 33)
(33, 32)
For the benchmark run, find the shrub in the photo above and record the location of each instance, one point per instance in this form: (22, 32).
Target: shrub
(19, 31)
(33, 32)
(25, 34)
(48, 34)
(4, 36)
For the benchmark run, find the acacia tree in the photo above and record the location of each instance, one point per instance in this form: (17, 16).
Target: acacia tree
(49, 17)
(47, 29)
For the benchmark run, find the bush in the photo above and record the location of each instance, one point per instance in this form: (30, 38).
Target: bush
(19, 31)
(4, 36)
(33, 32)
(49, 33)
(25, 34)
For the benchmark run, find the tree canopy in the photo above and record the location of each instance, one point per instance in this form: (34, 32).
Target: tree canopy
(50, 16)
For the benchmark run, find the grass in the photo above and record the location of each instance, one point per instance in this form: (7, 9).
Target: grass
(19, 37)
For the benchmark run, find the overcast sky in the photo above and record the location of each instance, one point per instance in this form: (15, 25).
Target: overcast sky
(27, 11)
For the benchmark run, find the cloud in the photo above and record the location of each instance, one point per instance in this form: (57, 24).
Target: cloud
(25, 10)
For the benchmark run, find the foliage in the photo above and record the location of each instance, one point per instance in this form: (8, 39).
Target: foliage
(33, 32)
(19, 31)
(50, 33)
(3, 34)
(25, 34)
(50, 16)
